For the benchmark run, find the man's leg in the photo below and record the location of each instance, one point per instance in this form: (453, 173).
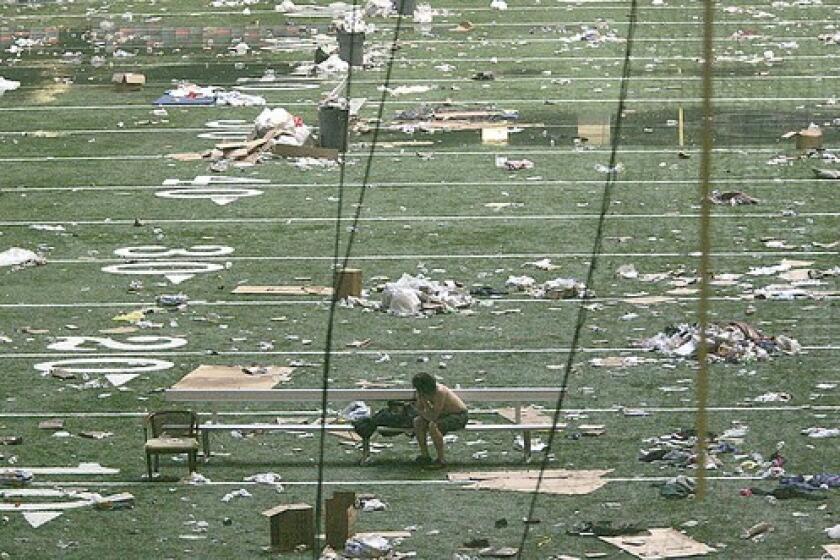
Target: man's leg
(437, 439)
(421, 427)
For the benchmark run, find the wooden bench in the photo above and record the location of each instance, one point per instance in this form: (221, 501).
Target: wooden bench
(517, 396)
(526, 430)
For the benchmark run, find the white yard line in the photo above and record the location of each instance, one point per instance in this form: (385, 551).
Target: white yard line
(497, 216)
(376, 482)
(489, 256)
(540, 100)
(346, 353)
(412, 153)
(465, 79)
(762, 41)
(445, 20)
(280, 302)
(768, 183)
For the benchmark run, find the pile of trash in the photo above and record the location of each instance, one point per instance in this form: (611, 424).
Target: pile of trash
(272, 127)
(734, 342)
(809, 487)
(559, 288)
(598, 34)
(679, 449)
(430, 118)
(503, 162)
(353, 21)
(829, 38)
(379, 8)
(7, 85)
(15, 477)
(19, 258)
(332, 65)
(186, 93)
(734, 198)
(367, 546)
(417, 295)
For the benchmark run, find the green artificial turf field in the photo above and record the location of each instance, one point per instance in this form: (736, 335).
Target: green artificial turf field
(85, 170)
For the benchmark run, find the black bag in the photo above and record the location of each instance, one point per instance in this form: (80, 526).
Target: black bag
(397, 414)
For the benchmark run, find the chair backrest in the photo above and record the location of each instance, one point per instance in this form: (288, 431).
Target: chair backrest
(173, 423)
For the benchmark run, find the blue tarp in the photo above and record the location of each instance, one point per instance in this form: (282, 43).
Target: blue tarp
(169, 100)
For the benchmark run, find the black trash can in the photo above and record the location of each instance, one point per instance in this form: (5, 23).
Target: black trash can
(332, 127)
(406, 7)
(351, 47)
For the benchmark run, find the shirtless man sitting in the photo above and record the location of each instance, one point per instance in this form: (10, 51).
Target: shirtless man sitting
(439, 411)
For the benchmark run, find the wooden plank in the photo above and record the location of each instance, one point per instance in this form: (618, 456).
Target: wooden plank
(248, 145)
(285, 507)
(287, 150)
(496, 394)
(387, 534)
(284, 290)
(238, 153)
(294, 427)
(314, 427)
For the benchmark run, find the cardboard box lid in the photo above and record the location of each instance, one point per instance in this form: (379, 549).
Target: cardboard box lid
(130, 78)
(282, 508)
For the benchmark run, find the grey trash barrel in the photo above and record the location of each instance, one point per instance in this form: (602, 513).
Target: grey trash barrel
(406, 7)
(332, 127)
(351, 45)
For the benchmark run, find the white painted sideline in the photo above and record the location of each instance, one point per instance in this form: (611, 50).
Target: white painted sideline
(465, 79)
(377, 482)
(494, 216)
(769, 182)
(411, 154)
(530, 101)
(738, 254)
(392, 352)
(275, 302)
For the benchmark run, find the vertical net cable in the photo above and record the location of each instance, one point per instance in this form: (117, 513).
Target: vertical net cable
(702, 385)
(582, 314)
(319, 491)
(338, 266)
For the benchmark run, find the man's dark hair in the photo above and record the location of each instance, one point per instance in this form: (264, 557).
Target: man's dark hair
(424, 383)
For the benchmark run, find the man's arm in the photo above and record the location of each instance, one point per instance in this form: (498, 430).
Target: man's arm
(429, 407)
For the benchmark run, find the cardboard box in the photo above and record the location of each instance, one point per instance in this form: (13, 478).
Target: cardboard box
(128, 81)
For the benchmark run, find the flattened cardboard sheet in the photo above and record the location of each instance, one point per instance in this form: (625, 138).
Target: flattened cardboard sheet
(555, 481)
(660, 543)
(213, 377)
(284, 290)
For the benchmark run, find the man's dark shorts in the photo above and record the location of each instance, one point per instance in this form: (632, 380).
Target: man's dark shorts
(452, 422)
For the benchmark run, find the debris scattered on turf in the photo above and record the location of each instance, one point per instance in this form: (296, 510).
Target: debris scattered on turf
(8, 85)
(660, 543)
(19, 258)
(757, 532)
(513, 164)
(241, 493)
(555, 481)
(734, 198)
(559, 288)
(736, 342)
(186, 93)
